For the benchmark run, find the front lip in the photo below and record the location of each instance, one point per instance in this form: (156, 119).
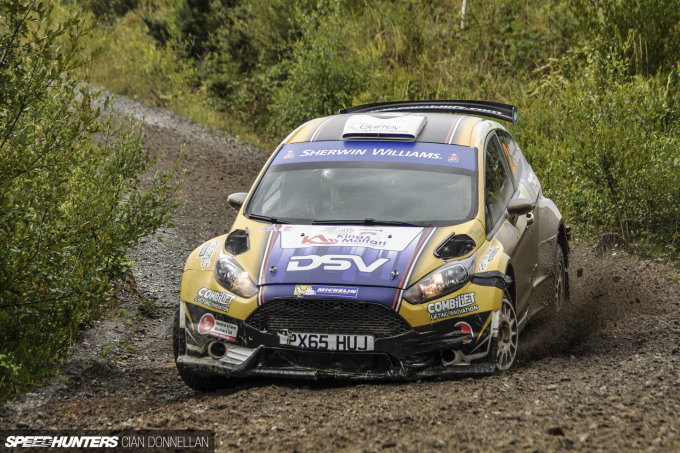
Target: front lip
(207, 366)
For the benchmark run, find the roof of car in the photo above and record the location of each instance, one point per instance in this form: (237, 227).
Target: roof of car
(446, 122)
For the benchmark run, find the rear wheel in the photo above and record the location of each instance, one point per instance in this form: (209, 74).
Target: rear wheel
(508, 335)
(560, 291)
(199, 382)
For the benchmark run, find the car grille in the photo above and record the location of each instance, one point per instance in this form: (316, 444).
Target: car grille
(379, 363)
(328, 316)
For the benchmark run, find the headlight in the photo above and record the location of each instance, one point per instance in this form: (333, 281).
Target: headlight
(229, 274)
(442, 281)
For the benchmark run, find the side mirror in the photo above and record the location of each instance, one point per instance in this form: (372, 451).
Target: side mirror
(521, 206)
(236, 200)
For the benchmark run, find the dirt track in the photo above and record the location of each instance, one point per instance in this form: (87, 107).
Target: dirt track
(605, 376)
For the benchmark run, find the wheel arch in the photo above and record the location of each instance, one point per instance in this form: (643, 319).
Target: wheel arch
(563, 235)
(512, 289)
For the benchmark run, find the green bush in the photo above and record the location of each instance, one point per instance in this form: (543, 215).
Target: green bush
(646, 32)
(135, 64)
(71, 196)
(198, 19)
(109, 9)
(240, 50)
(596, 82)
(269, 61)
(605, 146)
(324, 73)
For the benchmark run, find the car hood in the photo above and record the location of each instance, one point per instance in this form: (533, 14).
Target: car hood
(341, 255)
(374, 263)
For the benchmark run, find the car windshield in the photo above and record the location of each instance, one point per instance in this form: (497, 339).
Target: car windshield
(364, 193)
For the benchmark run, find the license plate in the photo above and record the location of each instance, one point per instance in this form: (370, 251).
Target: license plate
(328, 341)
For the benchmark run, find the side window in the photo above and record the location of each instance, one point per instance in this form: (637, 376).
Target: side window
(513, 154)
(499, 184)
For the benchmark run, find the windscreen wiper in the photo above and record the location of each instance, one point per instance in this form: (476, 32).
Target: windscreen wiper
(368, 222)
(266, 218)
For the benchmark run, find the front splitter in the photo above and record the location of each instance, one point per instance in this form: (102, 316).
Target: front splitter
(214, 367)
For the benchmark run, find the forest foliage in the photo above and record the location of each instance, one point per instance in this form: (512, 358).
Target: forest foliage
(596, 83)
(71, 196)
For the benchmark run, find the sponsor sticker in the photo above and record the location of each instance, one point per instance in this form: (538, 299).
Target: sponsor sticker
(488, 257)
(214, 299)
(374, 152)
(368, 125)
(207, 251)
(367, 151)
(333, 263)
(391, 152)
(391, 238)
(461, 304)
(466, 330)
(333, 152)
(319, 239)
(208, 325)
(326, 291)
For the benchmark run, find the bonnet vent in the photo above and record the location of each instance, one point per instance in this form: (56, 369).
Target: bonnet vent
(455, 246)
(237, 242)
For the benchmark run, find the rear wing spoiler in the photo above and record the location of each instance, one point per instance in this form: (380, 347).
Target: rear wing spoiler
(496, 110)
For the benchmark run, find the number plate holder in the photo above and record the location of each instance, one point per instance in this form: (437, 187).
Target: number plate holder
(328, 341)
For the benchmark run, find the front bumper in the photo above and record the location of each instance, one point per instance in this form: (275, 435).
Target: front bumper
(437, 349)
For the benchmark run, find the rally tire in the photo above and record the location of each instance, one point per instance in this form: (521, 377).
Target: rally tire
(178, 339)
(560, 288)
(199, 382)
(507, 340)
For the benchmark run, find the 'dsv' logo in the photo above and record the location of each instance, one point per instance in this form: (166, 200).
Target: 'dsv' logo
(333, 263)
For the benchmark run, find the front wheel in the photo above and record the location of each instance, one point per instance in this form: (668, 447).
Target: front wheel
(196, 381)
(508, 335)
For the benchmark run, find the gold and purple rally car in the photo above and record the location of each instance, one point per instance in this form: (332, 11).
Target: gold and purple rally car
(396, 240)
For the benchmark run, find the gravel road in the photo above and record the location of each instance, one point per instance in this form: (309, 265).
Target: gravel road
(603, 377)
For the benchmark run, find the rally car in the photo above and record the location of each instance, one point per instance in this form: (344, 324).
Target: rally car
(396, 240)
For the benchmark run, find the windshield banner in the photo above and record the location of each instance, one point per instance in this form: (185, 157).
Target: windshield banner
(453, 156)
